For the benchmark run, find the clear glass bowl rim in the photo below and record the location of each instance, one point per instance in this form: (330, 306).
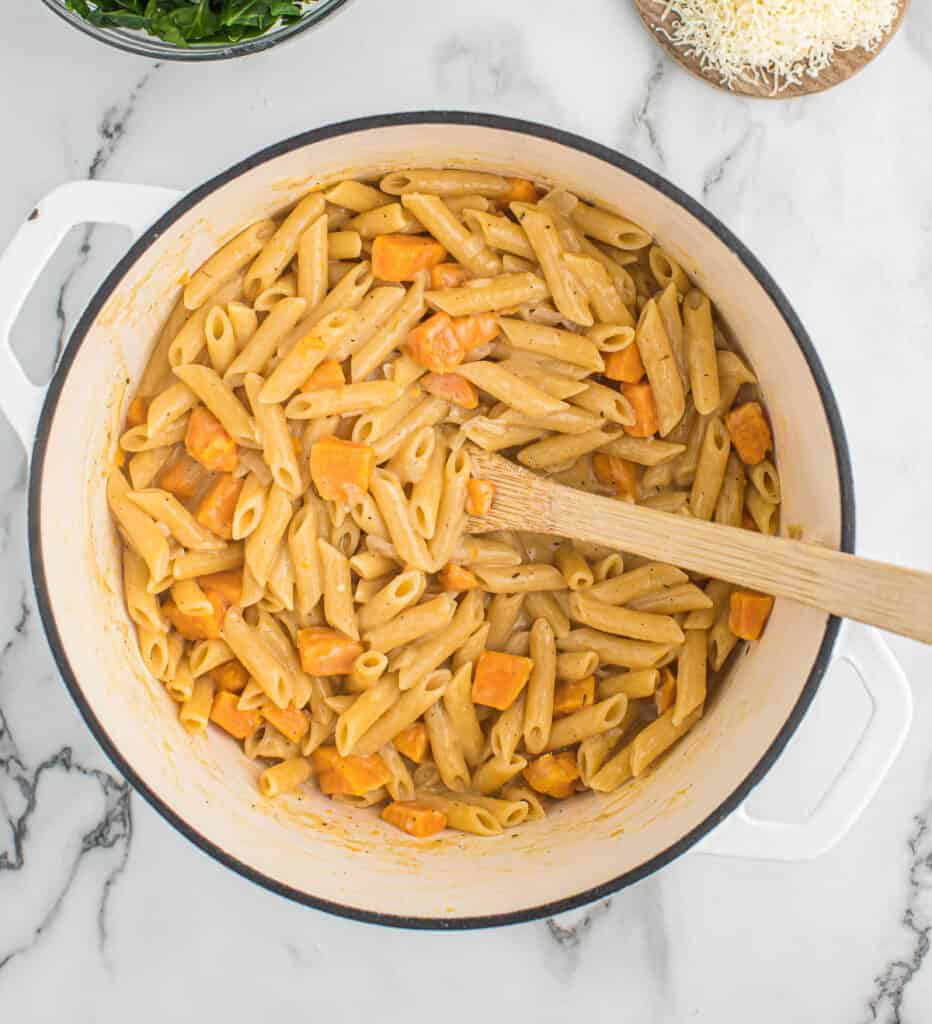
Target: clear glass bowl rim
(158, 49)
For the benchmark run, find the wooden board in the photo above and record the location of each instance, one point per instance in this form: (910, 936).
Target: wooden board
(845, 64)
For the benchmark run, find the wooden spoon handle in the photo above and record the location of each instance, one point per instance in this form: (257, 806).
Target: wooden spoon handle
(888, 596)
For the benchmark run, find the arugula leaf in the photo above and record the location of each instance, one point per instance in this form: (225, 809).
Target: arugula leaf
(187, 22)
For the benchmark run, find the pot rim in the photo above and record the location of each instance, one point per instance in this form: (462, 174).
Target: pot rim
(560, 137)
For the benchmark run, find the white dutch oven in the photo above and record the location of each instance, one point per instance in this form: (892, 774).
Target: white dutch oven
(343, 860)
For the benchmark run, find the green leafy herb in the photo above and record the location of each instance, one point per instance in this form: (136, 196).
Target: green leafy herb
(184, 22)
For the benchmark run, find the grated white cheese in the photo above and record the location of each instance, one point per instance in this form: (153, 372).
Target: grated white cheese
(774, 42)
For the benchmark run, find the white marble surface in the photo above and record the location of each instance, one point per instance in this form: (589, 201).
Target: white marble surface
(106, 913)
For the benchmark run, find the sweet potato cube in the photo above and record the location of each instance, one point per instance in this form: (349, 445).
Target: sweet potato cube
(341, 470)
(183, 477)
(625, 365)
(570, 697)
(748, 614)
(229, 585)
(749, 432)
(354, 775)
(520, 190)
(455, 578)
(137, 412)
(215, 510)
(476, 330)
(289, 721)
(416, 818)
(198, 627)
(328, 375)
(208, 442)
(499, 678)
(453, 388)
(553, 774)
(622, 475)
(412, 742)
(231, 676)
(448, 275)
(641, 397)
(228, 716)
(479, 497)
(327, 652)
(403, 257)
(434, 345)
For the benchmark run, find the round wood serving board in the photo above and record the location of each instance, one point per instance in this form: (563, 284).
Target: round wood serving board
(845, 63)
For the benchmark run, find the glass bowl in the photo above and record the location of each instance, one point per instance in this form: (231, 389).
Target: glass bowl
(158, 49)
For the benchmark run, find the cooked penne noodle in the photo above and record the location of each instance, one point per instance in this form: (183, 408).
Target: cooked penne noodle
(614, 650)
(468, 249)
(538, 708)
(501, 233)
(308, 352)
(390, 334)
(348, 400)
(609, 227)
(445, 183)
(520, 579)
(710, 470)
(609, 618)
(445, 749)
(660, 365)
(226, 262)
(260, 348)
(280, 249)
(700, 351)
(495, 773)
(412, 624)
(461, 712)
(499, 293)
(406, 710)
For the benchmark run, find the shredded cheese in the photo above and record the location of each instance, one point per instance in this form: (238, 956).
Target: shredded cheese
(774, 42)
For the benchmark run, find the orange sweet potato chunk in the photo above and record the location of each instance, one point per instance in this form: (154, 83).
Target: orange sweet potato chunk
(553, 774)
(328, 375)
(137, 412)
(289, 721)
(231, 676)
(207, 441)
(416, 818)
(570, 697)
(403, 257)
(455, 578)
(183, 477)
(215, 510)
(198, 627)
(434, 345)
(749, 432)
(341, 470)
(228, 716)
(353, 775)
(622, 475)
(625, 365)
(412, 742)
(479, 497)
(476, 330)
(748, 614)
(327, 652)
(229, 585)
(641, 397)
(448, 275)
(520, 190)
(453, 388)
(499, 678)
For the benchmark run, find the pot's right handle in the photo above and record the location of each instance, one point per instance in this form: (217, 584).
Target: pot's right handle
(741, 835)
(33, 245)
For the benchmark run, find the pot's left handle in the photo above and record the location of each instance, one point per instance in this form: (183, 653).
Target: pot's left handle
(78, 202)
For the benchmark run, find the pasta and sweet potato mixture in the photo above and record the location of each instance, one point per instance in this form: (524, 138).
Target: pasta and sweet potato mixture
(295, 486)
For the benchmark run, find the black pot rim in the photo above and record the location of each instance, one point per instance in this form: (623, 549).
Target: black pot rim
(750, 262)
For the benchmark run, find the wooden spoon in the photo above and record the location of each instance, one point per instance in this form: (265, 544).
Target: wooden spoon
(888, 596)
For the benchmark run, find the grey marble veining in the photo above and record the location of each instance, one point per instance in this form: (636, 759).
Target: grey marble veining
(105, 912)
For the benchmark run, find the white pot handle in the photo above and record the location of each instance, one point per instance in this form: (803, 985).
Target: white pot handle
(78, 202)
(741, 835)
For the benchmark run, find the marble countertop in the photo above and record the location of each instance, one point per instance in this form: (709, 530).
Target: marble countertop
(105, 912)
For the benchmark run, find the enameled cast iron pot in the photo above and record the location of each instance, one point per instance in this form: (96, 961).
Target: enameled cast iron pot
(343, 860)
